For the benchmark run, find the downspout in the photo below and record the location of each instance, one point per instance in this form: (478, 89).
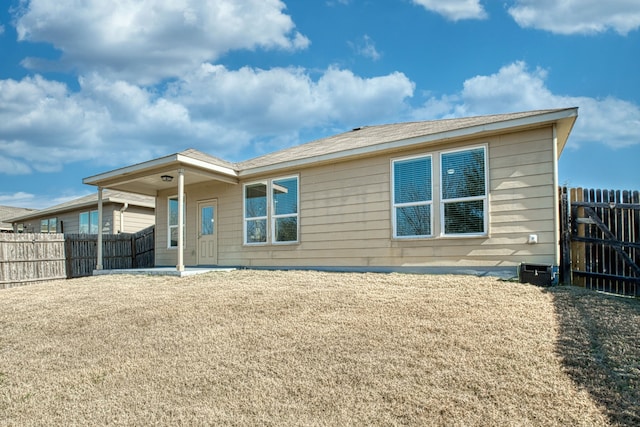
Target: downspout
(556, 198)
(99, 263)
(122, 209)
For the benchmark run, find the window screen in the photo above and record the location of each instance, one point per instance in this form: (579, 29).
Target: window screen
(412, 196)
(464, 191)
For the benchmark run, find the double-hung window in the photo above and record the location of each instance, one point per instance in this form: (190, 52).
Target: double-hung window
(49, 225)
(464, 192)
(412, 197)
(88, 222)
(271, 211)
(173, 221)
(255, 212)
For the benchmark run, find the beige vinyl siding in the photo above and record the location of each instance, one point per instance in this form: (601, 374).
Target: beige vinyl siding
(228, 228)
(345, 214)
(71, 220)
(135, 219)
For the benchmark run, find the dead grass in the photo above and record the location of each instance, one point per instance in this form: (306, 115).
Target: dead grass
(292, 348)
(600, 349)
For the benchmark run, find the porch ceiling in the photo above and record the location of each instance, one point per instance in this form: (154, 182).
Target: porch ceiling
(146, 178)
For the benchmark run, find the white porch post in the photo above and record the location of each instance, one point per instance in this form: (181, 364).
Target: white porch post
(180, 266)
(99, 263)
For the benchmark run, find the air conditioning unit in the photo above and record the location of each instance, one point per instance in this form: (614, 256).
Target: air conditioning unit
(538, 274)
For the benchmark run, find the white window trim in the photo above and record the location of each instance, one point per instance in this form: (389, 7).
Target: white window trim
(395, 205)
(274, 217)
(184, 218)
(484, 198)
(245, 220)
(88, 213)
(271, 216)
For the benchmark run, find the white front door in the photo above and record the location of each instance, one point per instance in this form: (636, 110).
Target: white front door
(207, 232)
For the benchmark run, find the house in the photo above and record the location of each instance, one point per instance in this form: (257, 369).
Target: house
(7, 212)
(477, 194)
(122, 212)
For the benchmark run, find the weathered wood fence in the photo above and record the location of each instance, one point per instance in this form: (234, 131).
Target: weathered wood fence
(28, 258)
(600, 244)
(120, 251)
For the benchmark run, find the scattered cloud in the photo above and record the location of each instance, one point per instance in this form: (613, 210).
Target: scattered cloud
(145, 41)
(335, 2)
(514, 87)
(17, 199)
(44, 125)
(366, 47)
(455, 10)
(27, 200)
(577, 16)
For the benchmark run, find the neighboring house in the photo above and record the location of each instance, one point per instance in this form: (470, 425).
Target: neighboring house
(466, 194)
(7, 212)
(122, 213)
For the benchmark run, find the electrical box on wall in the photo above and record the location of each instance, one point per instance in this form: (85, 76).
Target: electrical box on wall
(533, 239)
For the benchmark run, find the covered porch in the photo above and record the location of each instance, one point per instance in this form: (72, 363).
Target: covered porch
(167, 174)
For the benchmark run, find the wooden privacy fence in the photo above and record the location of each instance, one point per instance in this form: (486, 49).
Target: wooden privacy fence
(28, 258)
(600, 244)
(119, 251)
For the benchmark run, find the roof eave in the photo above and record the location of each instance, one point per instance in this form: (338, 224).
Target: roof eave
(70, 208)
(566, 116)
(174, 161)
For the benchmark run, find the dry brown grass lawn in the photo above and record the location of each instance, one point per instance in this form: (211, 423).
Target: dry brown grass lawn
(292, 348)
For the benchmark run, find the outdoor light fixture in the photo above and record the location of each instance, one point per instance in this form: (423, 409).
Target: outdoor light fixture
(166, 178)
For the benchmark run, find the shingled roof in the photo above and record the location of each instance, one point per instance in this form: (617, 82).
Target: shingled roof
(109, 196)
(144, 178)
(7, 212)
(370, 136)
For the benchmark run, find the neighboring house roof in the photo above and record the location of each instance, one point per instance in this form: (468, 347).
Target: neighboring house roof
(144, 178)
(7, 212)
(89, 201)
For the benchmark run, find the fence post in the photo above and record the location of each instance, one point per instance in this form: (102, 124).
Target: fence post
(565, 238)
(134, 261)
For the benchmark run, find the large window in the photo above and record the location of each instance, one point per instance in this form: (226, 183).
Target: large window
(273, 202)
(173, 221)
(412, 197)
(464, 192)
(88, 222)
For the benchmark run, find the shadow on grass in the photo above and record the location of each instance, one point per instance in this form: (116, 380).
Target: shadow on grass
(599, 344)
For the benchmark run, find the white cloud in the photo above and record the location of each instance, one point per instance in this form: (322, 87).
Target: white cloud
(44, 125)
(366, 47)
(147, 40)
(19, 199)
(27, 200)
(514, 87)
(577, 16)
(455, 10)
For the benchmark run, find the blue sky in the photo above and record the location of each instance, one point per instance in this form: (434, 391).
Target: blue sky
(86, 87)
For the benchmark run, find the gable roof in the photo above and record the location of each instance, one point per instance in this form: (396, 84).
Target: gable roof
(89, 201)
(7, 212)
(390, 136)
(144, 178)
